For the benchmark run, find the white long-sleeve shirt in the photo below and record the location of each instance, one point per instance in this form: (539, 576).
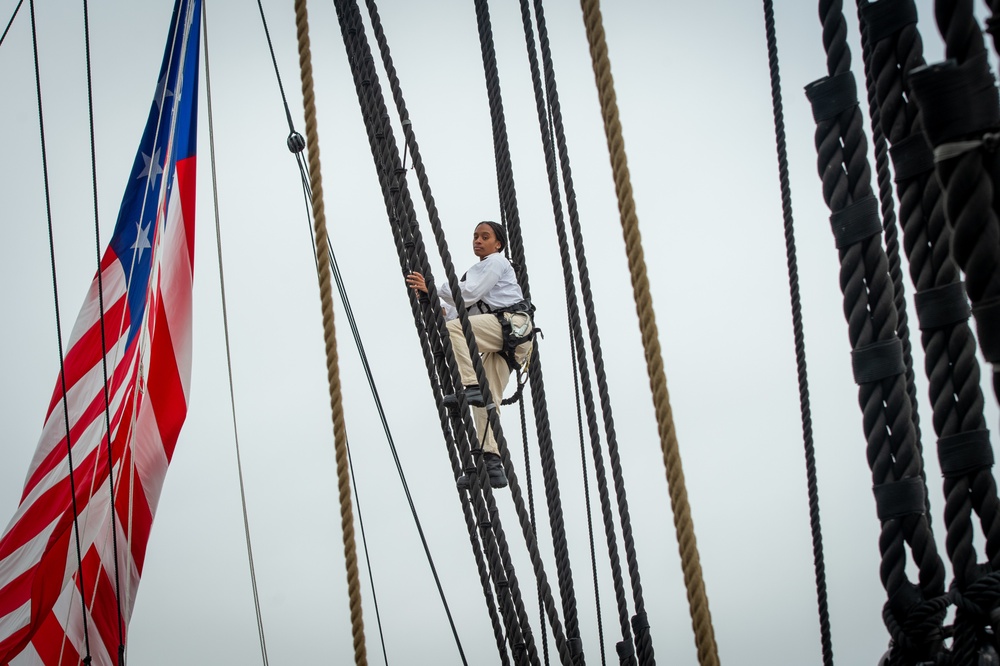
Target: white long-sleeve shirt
(491, 280)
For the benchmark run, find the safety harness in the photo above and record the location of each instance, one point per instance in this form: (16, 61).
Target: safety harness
(511, 338)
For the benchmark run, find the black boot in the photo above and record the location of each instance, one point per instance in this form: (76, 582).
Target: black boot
(473, 396)
(494, 469)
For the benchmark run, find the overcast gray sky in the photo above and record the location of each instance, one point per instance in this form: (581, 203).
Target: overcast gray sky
(692, 85)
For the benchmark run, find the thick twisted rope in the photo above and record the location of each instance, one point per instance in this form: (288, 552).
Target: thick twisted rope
(913, 612)
(966, 174)
(949, 346)
(805, 410)
(890, 233)
(683, 524)
(329, 333)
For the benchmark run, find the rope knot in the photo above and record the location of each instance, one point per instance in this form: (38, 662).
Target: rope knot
(914, 623)
(980, 601)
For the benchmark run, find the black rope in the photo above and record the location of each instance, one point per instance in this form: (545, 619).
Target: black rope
(967, 176)
(525, 523)
(534, 530)
(413, 257)
(642, 639)
(277, 73)
(296, 148)
(578, 346)
(913, 612)
(460, 448)
(586, 497)
(104, 344)
(938, 252)
(890, 233)
(11, 21)
(805, 409)
(509, 214)
(62, 368)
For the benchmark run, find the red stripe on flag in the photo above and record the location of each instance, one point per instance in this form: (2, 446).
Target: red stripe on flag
(164, 388)
(14, 594)
(186, 171)
(85, 354)
(94, 411)
(52, 644)
(101, 599)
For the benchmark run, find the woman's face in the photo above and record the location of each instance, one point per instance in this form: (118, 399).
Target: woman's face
(484, 241)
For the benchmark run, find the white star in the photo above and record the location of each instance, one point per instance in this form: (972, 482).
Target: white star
(161, 93)
(153, 168)
(141, 239)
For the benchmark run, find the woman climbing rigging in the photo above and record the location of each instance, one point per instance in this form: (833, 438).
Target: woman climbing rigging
(500, 318)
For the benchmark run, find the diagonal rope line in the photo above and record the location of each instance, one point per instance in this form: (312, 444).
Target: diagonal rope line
(10, 22)
(229, 359)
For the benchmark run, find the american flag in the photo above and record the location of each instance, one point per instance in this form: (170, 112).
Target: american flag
(60, 603)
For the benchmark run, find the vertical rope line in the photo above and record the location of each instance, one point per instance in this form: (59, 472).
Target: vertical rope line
(62, 369)
(543, 109)
(329, 333)
(805, 409)
(642, 638)
(104, 343)
(952, 371)
(510, 216)
(690, 563)
(534, 529)
(225, 330)
(890, 234)
(913, 612)
(578, 346)
(586, 499)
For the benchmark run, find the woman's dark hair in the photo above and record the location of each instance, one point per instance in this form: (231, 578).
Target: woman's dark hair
(498, 231)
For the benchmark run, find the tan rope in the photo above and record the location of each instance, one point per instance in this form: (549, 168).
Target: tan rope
(329, 333)
(701, 618)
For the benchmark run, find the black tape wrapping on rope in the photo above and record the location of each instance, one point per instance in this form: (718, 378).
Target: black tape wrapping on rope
(987, 315)
(965, 452)
(955, 100)
(911, 157)
(887, 17)
(877, 361)
(900, 498)
(940, 307)
(856, 222)
(832, 95)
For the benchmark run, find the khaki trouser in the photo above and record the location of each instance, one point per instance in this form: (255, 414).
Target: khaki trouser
(489, 339)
